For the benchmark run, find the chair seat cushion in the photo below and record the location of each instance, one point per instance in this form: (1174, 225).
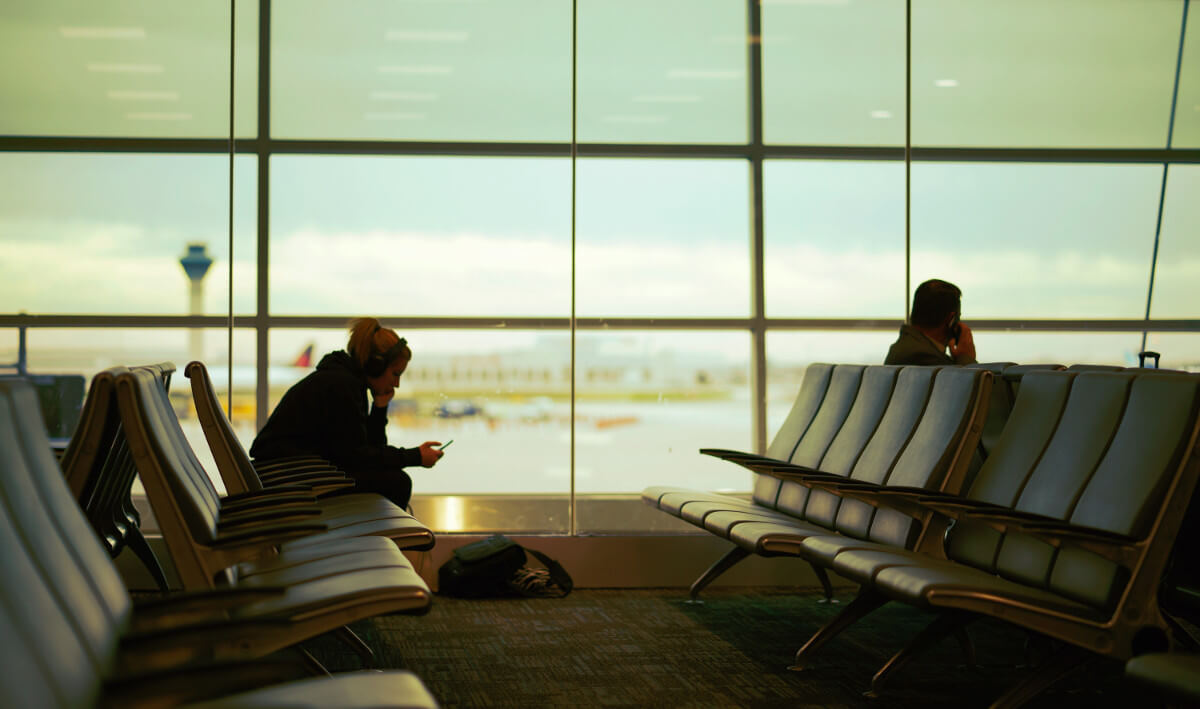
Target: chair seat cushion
(937, 584)
(721, 522)
(859, 560)
(774, 537)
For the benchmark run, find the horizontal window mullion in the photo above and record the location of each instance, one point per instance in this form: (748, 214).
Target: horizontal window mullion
(587, 323)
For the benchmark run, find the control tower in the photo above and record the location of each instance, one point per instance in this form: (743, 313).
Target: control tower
(195, 264)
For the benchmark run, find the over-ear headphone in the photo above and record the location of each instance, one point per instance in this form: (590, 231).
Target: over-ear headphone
(378, 361)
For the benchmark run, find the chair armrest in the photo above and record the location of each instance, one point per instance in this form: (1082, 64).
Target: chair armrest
(164, 612)
(253, 494)
(265, 500)
(183, 644)
(726, 453)
(788, 471)
(276, 514)
(303, 479)
(1120, 549)
(264, 535)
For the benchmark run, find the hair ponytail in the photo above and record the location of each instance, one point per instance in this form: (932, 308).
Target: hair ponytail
(368, 337)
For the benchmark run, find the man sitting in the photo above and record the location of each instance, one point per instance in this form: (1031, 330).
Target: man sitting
(933, 328)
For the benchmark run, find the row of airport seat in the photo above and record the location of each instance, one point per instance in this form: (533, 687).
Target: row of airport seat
(260, 571)
(1066, 528)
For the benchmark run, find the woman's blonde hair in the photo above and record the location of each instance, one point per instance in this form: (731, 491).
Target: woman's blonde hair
(370, 339)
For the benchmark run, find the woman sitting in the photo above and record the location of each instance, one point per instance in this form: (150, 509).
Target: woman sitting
(327, 414)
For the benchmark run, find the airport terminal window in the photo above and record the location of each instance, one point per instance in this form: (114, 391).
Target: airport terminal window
(115, 227)
(511, 431)
(9, 339)
(1037, 240)
(641, 84)
(1066, 348)
(666, 238)
(421, 235)
(1178, 268)
(833, 72)
(414, 217)
(1178, 350)
(382, 70)
(1076, 73)
(1187, 106)
(652, 400)
(142, 69)
(833, 239)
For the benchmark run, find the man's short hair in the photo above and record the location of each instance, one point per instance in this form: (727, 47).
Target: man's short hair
(934, 301)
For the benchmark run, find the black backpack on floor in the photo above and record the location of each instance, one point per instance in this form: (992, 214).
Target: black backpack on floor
(496, 567)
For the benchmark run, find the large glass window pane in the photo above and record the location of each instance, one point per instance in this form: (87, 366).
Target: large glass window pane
(641, 84)
(1177, 271)
(105, 233)
(1070, 73)
(503, 397)
(1178, 350)
(9, 340)
(1037, 240)
(1066, 348)
(646, 402)
(834, 238)
(833, 72)
(662, 238)
(142, 68)
(421, 70)
(1187, 106)
(420, 236)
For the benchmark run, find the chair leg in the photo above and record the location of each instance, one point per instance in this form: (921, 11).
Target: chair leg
(1062, 663)
(826, 586)
(313, 664)
(364, 651)
(943, 625)
(135, 541)
(722, 565)
(865, 602)
(967, 646)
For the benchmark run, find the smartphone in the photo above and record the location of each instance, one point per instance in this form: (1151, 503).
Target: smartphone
(955, 329)
(445, 445)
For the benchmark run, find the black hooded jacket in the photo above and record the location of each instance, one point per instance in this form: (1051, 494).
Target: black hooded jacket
(326, 414)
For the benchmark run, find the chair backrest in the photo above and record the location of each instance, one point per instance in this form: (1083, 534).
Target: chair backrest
(100, 472)
(804, 408)
(183, 497)
(1127, 493)
(842, 392)
(1095, 368)
(909, 399)
(92, 440)
(1089, 422)
(62, 606)
(874, 393)
(1035, 416)
(839, 397)
(233, 464)
(999, 406)
(939, 453)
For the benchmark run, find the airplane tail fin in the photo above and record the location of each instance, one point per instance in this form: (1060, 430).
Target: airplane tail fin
(304, 360)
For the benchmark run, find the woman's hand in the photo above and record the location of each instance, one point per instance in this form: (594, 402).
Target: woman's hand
(380, 399)
(430, 454)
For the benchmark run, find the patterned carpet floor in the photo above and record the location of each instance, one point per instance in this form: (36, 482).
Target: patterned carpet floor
(649, 648)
